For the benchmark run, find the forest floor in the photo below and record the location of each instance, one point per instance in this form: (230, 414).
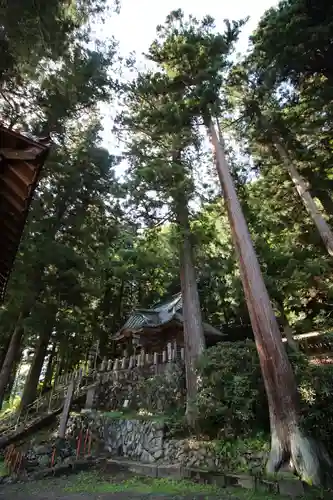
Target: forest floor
(120, 486)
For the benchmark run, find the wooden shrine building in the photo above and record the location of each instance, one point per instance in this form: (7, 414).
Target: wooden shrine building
(152, 329)
(21, 160)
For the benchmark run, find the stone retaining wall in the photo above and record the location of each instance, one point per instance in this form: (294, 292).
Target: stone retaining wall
(153, 388)
(148, 442)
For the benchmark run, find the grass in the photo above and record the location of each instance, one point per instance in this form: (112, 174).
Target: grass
(100, 482)
(3, 469)
(133, 416)
(92, 482)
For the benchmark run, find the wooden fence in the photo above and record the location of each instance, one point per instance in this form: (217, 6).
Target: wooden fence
(153, 362)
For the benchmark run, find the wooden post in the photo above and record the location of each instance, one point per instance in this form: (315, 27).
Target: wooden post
(116, 368)
(131, 362)
(90, 397)
(109, 366)
(169, 352)
(174, 350)
(123, 363)
(65, 411)
(155, 363)
(164, 357)
(88, 370)
(50, 401)
(103, 365)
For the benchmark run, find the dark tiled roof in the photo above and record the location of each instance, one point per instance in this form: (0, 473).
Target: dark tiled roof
(21, 160)
(159, 315)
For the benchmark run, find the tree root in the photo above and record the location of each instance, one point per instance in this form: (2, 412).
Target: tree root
(306, 457)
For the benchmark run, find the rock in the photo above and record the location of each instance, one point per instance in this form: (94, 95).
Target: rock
(210, 463)
(147, 457)
(158, 454)
(44, 461)
(42, 450)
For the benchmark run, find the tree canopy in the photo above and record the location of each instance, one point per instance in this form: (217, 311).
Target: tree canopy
(97, 245)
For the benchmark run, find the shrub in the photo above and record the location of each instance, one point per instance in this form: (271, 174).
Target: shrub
(163, 393)
(232, 399)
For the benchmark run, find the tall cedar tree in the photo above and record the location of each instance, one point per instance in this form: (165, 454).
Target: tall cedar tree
(161, 153)
(46, 90)
(264, 122)
(197, 57)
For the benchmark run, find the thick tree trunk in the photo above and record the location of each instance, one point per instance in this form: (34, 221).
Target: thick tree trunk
(194, 339)
(309, 203)
(13, 373)
(3, 350)
(50, 368)
(31, 385)
(288, 443)
(13, 348)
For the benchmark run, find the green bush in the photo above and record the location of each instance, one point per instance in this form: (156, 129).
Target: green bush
(232, 400)
(164, 393)
(316, 390)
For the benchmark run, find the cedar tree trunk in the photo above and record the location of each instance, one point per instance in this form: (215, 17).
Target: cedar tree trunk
(194, 339)
(288, 442)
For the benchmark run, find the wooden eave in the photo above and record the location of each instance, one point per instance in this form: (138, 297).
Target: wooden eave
(21, 161)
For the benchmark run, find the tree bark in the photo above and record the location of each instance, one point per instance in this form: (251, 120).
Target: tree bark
(13, 373)
(288, 443)
(50, 368)
(309, 203)
(13, 348)
(3, 351)
(194, 339)
(31, 385)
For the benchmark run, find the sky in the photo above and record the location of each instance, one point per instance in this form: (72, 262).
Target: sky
(135, 29)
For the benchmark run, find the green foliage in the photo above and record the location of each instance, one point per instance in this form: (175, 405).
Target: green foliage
(232, 399)
(10, 406)
(315, 386)
(93, 483)
(163, 393)
(298, 34)
(32, 30)
(241, 454)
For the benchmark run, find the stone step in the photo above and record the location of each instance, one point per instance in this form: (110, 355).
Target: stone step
(288, 487)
